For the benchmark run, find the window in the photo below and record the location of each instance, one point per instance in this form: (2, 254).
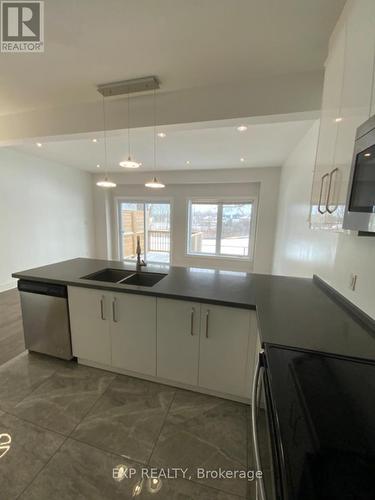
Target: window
(151, 222)
(220, 228)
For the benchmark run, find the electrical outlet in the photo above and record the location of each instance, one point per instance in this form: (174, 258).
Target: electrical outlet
(353, 281)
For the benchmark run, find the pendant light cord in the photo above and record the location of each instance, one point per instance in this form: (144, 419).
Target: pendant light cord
(129, 127)
(154, 131)
(105, 139)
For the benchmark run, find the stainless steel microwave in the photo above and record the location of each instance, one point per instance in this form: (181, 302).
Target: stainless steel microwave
(360, 203)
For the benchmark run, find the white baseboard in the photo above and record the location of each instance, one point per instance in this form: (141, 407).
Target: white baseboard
(8, 286)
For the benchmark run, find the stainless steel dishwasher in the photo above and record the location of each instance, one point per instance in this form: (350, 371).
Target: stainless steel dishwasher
(45, 316)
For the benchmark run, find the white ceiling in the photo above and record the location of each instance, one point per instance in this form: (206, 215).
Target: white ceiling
(186, 43)
(212, 146)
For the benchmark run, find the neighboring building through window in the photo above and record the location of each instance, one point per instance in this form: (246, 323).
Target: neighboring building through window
(222, 229)
(151, 222)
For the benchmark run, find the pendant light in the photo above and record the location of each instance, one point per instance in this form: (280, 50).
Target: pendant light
(106, 182)
(129, 163)
(155, 183)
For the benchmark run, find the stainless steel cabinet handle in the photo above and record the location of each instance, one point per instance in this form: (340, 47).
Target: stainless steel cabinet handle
(333, 172)
(192, 321)
(255, 391)
(207, 316)
(114, 310)
(320, 210)
(102, 308)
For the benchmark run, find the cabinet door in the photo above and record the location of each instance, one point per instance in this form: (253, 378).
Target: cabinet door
(89, 323)
(224, 345)
(133, 333)
(178, 327)
(333, 78)
(355, 99)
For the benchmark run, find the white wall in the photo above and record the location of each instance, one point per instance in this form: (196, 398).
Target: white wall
(46, 213)
(261, 183)
(300, 251)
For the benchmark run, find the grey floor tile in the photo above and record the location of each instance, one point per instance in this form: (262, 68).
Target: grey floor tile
(30, 448)
(127, 419)
(61, 402)
(21, 375)
(81, 472)
(205, 432)
(180, 489)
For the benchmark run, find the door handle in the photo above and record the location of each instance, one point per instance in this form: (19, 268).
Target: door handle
(102, 308)
(207, 317)
(192, 321)
(320, 210)
(114, 310)
(254, 410)
(333, 172)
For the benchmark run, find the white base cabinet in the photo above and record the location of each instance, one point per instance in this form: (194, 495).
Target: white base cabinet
(208, 347)
(224, 344)
(133, 333)
(178, 327)
(114, 329)
(89, 323)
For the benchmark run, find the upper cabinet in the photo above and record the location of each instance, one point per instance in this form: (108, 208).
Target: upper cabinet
(347, 102)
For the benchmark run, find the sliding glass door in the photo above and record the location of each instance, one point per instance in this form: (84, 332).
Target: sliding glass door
(150, 221)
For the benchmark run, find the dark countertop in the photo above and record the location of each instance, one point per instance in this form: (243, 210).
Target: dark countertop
(292, 312)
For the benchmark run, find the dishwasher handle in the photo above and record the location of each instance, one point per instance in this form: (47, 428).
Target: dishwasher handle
(43, 288)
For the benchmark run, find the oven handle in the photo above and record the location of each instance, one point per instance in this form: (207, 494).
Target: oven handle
(259, 369)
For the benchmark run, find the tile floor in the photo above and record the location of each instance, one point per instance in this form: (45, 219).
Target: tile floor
(70, 425)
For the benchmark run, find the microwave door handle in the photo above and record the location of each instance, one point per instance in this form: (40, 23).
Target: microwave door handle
(320, 210)
(254, 411)
(333, 172)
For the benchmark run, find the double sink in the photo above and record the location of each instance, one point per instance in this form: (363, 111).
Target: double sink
(124, 277)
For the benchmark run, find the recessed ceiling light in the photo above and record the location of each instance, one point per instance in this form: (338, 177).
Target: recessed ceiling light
(187, 162)
(338, 119)
(98, 166)
(39, 144)
(162, 135)
(242, 128)
(95, 140)
(367, 154)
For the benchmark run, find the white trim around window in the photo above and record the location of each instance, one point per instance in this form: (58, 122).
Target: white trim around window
(220, 202)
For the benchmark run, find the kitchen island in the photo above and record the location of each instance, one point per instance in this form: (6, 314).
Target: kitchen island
(293, 312)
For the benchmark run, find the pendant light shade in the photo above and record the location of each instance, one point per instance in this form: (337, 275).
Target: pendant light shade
(106, 183)
(129, 163)
(155, 184)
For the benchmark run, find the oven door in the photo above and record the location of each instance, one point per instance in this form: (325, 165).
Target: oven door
(360, 205)
(266, 439)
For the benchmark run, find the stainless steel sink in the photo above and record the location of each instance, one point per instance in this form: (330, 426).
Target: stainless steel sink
(125, 277)
(109, 275)
(143, 279)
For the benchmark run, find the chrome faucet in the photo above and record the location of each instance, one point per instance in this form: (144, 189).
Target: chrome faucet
(140, 262)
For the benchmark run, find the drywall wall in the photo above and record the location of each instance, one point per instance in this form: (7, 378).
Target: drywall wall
(301, 251)
(259, 183)
(46, 214)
